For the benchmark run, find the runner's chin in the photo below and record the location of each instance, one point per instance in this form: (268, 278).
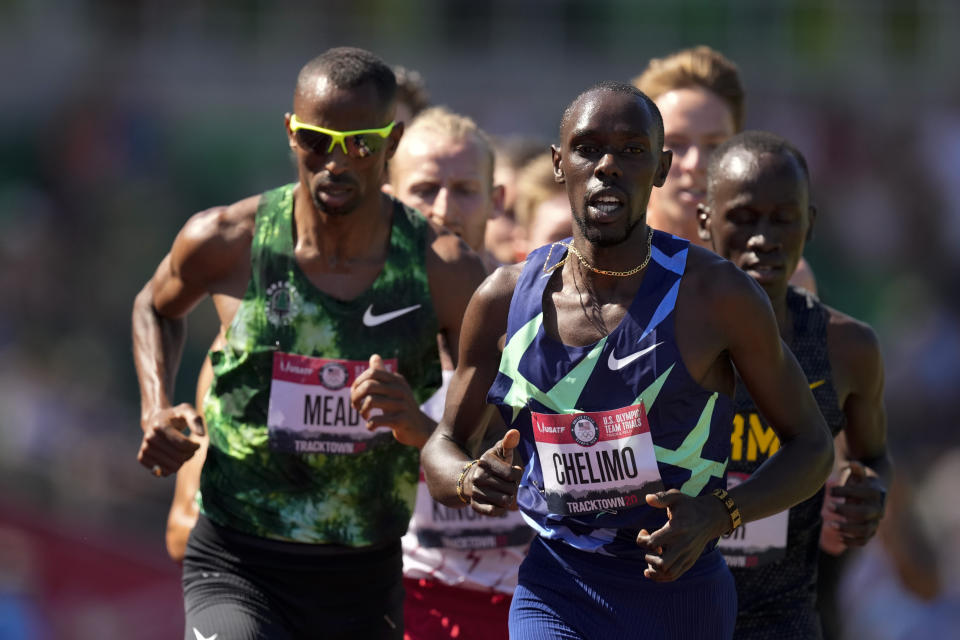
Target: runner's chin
(338, 202)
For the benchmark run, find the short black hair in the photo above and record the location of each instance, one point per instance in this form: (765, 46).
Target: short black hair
(348, 68)
(411, 90)
(617, 87)
(756, 143)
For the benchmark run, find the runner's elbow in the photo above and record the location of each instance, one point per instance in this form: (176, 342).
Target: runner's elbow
(143, 302)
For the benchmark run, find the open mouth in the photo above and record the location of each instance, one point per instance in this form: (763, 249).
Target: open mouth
(764, 271)
(606, 203)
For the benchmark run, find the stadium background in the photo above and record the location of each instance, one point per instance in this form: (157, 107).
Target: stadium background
(120, 118)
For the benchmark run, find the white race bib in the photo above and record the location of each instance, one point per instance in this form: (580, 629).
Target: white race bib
(437, 525)
(310, 410)
(596, 461)
(755, 543)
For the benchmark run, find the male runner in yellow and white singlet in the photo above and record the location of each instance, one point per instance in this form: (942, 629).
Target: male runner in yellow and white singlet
(460, 567)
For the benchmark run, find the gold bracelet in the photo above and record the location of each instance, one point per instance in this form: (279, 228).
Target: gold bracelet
(735, 519)
(463, 475)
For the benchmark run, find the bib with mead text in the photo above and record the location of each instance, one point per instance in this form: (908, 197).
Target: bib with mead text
(310, 409)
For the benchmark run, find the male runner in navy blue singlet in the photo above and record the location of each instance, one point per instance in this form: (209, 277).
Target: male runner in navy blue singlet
(611, 358)
(757, 213)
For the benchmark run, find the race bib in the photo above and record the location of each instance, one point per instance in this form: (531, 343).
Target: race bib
(599, 461)
(310, 409)
(444, 527)
(755, 543)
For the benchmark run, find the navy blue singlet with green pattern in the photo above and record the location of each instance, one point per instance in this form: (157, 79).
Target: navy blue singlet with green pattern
(603, 424)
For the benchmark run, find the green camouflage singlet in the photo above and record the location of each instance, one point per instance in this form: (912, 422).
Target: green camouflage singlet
(254, 481)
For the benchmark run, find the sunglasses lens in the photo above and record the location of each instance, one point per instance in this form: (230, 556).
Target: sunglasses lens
(364, 144)
(313, 141)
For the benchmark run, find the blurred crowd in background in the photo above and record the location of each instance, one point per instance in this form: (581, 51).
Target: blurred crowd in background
(118, 120)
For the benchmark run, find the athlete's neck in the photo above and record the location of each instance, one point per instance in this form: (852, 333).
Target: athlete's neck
(621, 257)
(337, 241)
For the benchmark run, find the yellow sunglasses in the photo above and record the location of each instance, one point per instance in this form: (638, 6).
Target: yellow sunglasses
(361, 143)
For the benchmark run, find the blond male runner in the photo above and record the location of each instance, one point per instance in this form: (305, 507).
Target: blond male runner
(701, 97)
(460, 567)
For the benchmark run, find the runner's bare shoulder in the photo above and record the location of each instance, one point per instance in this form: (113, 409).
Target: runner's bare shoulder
(854, 350)
(216, 242)
(490, 305)
(454, 272)
(499, 285)
(721, 291)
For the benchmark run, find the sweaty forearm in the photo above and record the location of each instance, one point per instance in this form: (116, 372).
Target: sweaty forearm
(793, 474)
(443, 461)
(157, 346)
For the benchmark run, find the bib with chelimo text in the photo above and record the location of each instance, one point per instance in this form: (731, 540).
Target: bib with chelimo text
(597, 461)
(310, 409)
(755, 543)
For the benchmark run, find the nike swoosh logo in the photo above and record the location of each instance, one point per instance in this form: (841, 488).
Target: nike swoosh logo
(371, 320)
(814, 385)
(200, 636)
(616, 364)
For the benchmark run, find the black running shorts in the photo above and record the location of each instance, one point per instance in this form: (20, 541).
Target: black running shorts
(242, 587)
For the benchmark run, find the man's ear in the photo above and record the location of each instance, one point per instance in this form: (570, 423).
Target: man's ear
(393, 140)
(811, 219)
(558, 176)
(666, 159)
(703, 222)
(291, 138)
(387, 188)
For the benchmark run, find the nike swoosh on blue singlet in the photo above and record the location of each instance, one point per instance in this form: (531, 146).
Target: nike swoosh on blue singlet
(689, 425)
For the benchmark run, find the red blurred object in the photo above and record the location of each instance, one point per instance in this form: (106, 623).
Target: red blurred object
(79, 583)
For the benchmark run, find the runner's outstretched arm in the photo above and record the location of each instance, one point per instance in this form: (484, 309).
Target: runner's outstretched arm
(782, 394)
(862, 445)
(778, 386)
(211, 246)
(491, 484)
(157, 347)
(184, 509)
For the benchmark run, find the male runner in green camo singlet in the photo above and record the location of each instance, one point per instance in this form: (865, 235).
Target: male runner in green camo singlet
(312, 464)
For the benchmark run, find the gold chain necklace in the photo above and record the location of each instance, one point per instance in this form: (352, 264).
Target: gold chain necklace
(583, 261)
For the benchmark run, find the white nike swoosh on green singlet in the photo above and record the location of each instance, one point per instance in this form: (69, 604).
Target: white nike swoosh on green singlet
(371, 320)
